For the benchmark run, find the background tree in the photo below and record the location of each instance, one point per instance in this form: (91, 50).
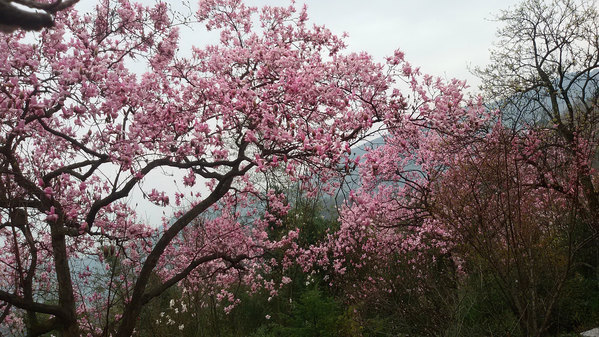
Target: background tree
(519, 234)
(544, 77)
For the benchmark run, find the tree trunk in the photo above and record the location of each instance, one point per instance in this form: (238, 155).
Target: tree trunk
(66, 297)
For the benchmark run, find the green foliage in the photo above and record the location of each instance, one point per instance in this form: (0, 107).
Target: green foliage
(482, 309)
(314, 314)
(578, 309)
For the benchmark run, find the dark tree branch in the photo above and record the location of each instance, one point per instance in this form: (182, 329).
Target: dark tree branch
(13, 17)
(20, 302)
(181, 275)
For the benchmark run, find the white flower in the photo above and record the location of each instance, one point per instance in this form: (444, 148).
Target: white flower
(267, 316)
(181, 327)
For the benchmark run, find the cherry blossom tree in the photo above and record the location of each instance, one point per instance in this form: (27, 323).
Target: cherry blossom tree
(389, 240)
(544, 77)
(522, 234)
(81, 133)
